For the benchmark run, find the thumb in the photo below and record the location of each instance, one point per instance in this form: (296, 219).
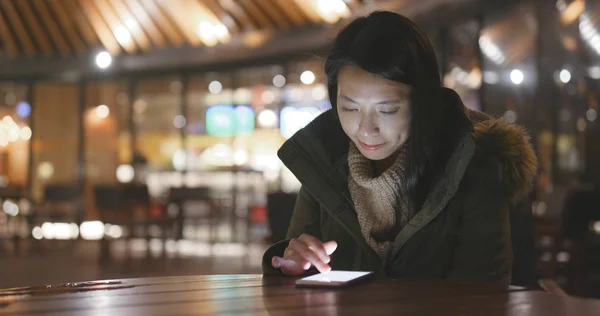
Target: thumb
(287, 266)
(330, 247)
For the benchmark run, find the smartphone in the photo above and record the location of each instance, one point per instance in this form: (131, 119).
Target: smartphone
(335, 278)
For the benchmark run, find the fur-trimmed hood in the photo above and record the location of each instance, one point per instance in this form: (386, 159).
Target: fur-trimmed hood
(503, 156)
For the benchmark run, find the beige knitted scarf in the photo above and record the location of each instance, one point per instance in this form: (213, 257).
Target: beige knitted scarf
(381, 206)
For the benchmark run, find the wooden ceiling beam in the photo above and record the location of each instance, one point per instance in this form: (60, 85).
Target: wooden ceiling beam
(292, 11)
(40, 37)
(274, 13)
(102, 30)
(52, 27)
(134, 27)
(82, 24)
(18, 27)
(255, 13)
(182, 15)
(246, 23)
(7, 37)
(227, 19)
(201, 14)
(308, 9)
(116, 26)
(146, 23)
(67, 25)
(162, 22)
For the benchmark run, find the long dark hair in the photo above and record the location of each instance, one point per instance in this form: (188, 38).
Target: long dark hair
(392, 46)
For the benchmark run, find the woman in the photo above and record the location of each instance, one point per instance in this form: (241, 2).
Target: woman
(399, 177)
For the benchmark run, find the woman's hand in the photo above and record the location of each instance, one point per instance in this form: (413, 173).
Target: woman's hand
(304, 252)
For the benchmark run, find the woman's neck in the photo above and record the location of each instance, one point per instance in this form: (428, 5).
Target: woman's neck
(380, 166)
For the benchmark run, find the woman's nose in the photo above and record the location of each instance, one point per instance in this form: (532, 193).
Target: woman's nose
(368, 126)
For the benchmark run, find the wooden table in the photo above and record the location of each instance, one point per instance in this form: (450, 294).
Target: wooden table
(254, 294)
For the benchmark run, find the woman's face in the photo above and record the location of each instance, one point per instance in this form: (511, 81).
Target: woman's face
(374, 112)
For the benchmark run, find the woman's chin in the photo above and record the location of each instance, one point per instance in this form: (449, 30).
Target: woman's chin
(375, 155)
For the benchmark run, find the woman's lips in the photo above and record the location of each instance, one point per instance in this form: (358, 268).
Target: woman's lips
(370, 147)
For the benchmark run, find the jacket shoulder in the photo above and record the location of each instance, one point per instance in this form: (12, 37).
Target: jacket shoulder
(504, 157)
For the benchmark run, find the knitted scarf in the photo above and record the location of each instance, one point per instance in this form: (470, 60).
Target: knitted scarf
(381, 206)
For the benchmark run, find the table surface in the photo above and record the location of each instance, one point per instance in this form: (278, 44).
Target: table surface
(255, 294)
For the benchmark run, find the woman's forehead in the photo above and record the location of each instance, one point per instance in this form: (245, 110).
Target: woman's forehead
(356, 81)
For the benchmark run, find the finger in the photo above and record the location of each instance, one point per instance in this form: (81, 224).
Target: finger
(290, 254)
(298, 259)
(330, 247)
(287, 266)
(316, 246)
(309, 255)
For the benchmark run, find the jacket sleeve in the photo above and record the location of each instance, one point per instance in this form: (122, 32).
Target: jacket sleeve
(484, 250)
(305, 220)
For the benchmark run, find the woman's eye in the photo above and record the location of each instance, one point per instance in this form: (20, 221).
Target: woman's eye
(389, 112)
(345, 109)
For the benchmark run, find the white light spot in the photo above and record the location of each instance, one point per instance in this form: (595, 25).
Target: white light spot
(140, 106)
(131, 23)
(11, 208)
(563, 257)
(63, 231)
(267, 97)
(581, 125)
(516, 76)
(220, 30)
(307, 77)
(319, 92)
(45, 170)
(48, 230)
(596, 227)
(92, 230)
(591, 115)
(113, 231)
(267, 118)
(25, 133)
(37, 233)
(490, 77)
(594, 72)
(103, 60)
(215, 87)
(565, 76)
(179, 160)
(279, 81)
(122, 34)
(125, 173)
(510, 116)
(240, 157)
(102, 111)
(179, 121)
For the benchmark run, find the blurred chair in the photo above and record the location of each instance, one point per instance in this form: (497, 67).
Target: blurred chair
(581, 229)
(280, 206)
(14, 193)
(523, 243)
(129, 206)
(140, 202)
(62, 202)
(180, 196)
(111, 204)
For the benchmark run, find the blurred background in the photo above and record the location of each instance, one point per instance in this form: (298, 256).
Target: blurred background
(139, 137)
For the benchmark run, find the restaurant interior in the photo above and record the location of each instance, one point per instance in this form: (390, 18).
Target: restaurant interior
(139, 138)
